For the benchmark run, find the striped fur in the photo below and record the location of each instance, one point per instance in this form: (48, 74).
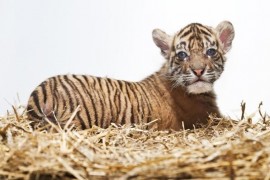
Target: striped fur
(179, 93)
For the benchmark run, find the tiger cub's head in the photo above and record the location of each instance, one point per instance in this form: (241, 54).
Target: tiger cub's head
(195, 54)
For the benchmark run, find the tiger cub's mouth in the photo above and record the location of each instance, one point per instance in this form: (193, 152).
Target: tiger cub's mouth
(199, 79)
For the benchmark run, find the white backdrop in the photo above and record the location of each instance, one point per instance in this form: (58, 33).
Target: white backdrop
(39, 39)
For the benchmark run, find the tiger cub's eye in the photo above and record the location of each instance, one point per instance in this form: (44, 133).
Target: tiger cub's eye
(182, 55)
(211, 52)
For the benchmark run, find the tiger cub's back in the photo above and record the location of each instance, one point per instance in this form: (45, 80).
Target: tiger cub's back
(101, 100)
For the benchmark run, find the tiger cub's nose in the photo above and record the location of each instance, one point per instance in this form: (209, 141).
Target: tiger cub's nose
(198, 72)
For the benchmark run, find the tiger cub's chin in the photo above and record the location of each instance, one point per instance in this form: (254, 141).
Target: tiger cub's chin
(200, 87)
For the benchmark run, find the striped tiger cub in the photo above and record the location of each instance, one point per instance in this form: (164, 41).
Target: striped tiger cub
(179, 94)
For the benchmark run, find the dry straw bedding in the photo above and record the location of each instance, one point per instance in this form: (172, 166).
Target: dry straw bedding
(225, 149)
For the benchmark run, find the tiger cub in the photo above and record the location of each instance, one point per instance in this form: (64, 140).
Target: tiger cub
(179, 94)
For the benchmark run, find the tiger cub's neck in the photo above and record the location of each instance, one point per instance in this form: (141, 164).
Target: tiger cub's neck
(174, 106)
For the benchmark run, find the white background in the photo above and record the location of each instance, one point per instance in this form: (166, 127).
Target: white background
(39, 39)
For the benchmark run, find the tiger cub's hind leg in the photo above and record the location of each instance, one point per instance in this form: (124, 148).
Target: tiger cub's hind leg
(40, 119)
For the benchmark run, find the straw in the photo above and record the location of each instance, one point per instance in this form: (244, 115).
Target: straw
(223, 149)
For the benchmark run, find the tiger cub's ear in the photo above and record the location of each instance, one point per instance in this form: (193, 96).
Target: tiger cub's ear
(225, 34)
(163, 41)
